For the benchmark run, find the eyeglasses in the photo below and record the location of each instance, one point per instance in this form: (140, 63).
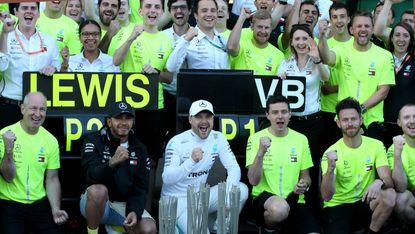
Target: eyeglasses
(87, 34)
(181, 7)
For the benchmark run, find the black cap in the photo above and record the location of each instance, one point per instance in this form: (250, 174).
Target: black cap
(119, 108)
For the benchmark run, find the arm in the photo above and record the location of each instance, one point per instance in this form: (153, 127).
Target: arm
(377, 97)
(53, 190)
(327, 55)
(90, 11)
(277, 13)
(381, 28)
(398, 174)
(384, 181)
(122, 52)
(113, 29)
(8, 26)
(303, 183)
(255, 169)
(315, 56)
(179, 53)
(291, 20)
(329, 177)
(329, 89)
(235, 36)
(8, 167)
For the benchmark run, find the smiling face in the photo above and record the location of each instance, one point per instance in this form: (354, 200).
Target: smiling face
(223, 13)
(55, 6)
(90, 37)
(120, 125)
(202, 124)
(308, 15)
(406, 120)
(299, 42)
(34, 112)
(74, 10)
(349, 121)
(151, 10)
(362, 30)
(27, 13)
(207, 14)
(124, 11)
(108, 10)
(400, 39)
(264, 4)
(339, 21)
(180, 12)
(261, 31)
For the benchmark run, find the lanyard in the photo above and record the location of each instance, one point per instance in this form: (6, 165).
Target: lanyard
(408, 56)
(42, 49)
(222, 45)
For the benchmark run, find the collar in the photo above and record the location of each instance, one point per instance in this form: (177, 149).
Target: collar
(399, 60)
(99, 58)
(201, 35)
(21, 35)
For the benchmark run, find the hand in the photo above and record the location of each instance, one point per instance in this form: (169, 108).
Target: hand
(197, 154)
(130, 221)
(372, 191)
(301, 187)
(114, 27)
(190, 34)
(264, 144)
(9, 138)
(48, 70)
(4, 15)
(59, 216)
(313, 52)
(398, 143)
(121, 154)
(138, 29)
(148, 69)
(8, 24)
(65, 55)
(283, 76)
(331, 159)
(324, 29)
(245, 13)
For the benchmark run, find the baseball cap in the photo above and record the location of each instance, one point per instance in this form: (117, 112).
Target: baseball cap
(200, 105)
(119, 108)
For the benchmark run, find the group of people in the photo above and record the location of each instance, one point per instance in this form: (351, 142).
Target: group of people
(352, 86)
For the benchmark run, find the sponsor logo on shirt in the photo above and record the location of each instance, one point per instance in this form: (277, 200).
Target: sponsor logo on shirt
(369, 165)
(293, 155)
(407, 71)
(41, 156)
(372, 69)
(59, 37)
(160, 54)
(197, 174)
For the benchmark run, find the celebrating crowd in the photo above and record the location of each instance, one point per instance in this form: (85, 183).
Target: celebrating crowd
(344, 163)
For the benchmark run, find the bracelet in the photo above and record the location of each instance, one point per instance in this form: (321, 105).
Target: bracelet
(283, 2)
(364, 109)
(317, 62)
(383, 184)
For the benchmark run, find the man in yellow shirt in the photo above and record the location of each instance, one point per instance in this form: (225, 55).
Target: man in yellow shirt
(29, 161)
(278, 159)
(357, 187)
(256, 54)
(401, 156)
(367, 71)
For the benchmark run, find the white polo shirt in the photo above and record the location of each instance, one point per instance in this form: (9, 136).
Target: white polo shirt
(200, 53)
(27, 54)
(104, 63)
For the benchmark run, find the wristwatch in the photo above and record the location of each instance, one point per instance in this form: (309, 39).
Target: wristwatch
(364, 109)
(284, 2)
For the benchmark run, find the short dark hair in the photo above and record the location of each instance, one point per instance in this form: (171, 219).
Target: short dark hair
(170, 2)
(308, 2)
(337, 6)
(348, 103)
(162, 4)
(362, 13)
(86, 22)
(100, 1)
(408, 28)
(196, 5)
(276, 99)
(409, 12)
(18, 5)
(297, 27)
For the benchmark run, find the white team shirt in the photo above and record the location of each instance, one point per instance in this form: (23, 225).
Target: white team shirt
(313, 82)
(180, 170)
(20, 61)
(104, 63)
(200, 53)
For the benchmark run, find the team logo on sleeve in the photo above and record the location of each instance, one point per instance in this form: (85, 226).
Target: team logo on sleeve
(293, 155)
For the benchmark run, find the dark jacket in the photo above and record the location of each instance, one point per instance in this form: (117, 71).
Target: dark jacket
(128, 181)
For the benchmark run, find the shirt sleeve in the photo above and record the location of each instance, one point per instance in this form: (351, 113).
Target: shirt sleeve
(388, 72)
(307, 162)
(390, 154)
(173, 170)
(54, 155)
(251, 149)
(178, 55)
(381, 158)
(54, 59)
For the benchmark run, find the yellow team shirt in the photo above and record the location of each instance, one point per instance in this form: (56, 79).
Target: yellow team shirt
(363, 73)
(282, 163)
(119, 38)
(263, 61)
(408, 162)
(33, 155)
(63, 29)
(328, 102)
(355, 169)
(150, 48)
(135, 16)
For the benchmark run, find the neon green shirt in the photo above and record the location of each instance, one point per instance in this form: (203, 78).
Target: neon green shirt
(135, 16)
(119, 38)
(363, 73)
(263, 61)
(282, 163)
(226, 34)
(33, 155)
(355, 169)
(4, 7)
(64, 29)
(149, 48)
(408, 162)
(328, 102)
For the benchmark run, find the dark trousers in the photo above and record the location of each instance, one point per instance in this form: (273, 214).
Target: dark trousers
(19, 218)
(150, 131)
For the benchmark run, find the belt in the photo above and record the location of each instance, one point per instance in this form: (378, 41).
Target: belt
(313, 116)
(4, 100)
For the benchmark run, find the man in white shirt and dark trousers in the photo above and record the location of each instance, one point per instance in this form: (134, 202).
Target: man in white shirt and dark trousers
(189, 158)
